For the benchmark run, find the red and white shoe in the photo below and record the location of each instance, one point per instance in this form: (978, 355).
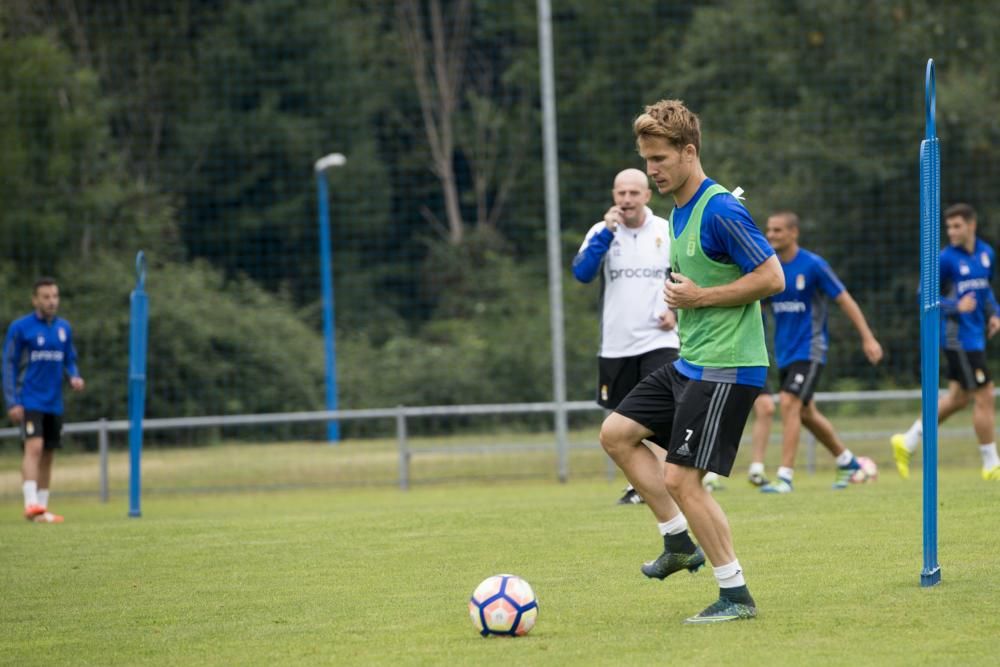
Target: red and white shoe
(31, 511)
(47, 517)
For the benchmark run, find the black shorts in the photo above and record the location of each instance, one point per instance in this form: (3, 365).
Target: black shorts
(44, 425)
(616, 376)
(701, 422)
(800, 378)
(968, 368)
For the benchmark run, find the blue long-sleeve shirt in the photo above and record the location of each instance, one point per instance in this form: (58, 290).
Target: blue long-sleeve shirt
(587, 262)
(965, 273)
(44, 351)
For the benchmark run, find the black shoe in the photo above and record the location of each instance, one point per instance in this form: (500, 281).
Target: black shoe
(630, 497)
(670, 562)
(758, 479)
(725, 610)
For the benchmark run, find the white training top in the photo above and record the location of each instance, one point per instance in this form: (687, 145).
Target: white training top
(633, 273)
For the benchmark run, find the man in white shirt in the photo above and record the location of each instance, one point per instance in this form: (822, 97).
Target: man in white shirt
(630, 250)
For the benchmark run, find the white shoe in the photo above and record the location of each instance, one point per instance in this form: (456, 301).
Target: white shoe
(712, 482)
(780, 486)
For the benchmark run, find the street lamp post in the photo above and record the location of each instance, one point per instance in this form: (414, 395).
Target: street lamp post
(326, 276)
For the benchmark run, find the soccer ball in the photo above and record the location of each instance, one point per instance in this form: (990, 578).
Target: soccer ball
(503, 604)
(867, 473)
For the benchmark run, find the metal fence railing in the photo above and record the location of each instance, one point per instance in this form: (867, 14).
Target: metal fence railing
(402, 414)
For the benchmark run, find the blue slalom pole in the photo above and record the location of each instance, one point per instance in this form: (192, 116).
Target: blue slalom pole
(326, 277)
(138, 327)
(930, 322)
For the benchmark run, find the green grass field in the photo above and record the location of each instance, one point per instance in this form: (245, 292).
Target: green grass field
(374, 575)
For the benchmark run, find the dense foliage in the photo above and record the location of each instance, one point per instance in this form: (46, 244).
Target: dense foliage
(189, 129)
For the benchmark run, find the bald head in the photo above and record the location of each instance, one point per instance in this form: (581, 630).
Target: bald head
(631, 194)
(633, 177)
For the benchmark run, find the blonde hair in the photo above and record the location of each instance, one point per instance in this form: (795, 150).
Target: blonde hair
(672, 121)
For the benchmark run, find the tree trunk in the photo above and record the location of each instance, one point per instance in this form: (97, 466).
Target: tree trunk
(438, 61)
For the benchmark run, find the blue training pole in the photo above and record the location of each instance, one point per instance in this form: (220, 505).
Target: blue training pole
(326, 275)
(138, 326)
(930, 322)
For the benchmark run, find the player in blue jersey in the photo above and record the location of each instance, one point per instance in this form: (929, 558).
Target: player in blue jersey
(800, 344)
(721, 266)
(970, 316)
(38, 354)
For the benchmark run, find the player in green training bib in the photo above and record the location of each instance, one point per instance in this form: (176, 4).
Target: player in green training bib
(721, 267)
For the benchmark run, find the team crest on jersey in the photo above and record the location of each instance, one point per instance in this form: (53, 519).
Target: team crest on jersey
(690, 248)
(985, 259)
(800, 282)
(659, 242)
(963, 269)
(62, 335)
(41, 341)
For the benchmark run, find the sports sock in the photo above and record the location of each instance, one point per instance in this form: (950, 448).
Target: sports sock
(756, 468)
(912, 437)
(680, 543)
(729, 575)
(786, 474)
(739, 594)
(43, 497)
(844, 458)
(30, 490)
(675, 535)
(989, 454)
(673, 526)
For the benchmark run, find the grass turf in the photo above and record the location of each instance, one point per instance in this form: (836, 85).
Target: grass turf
(379, 576)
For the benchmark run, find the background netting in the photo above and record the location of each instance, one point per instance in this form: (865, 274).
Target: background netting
(189, 129)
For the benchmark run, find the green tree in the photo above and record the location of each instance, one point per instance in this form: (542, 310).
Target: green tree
(820, 108)
(63, 188)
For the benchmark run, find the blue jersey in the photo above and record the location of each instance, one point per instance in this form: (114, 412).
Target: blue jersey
(967, 273)
(45, 353)
(800, 312)
(728, 235)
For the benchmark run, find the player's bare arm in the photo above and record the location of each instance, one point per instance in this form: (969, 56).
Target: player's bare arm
(869, 344)
(766, 279)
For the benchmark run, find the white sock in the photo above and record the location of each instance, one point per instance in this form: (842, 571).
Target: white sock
(989, 454)
(729, 575)
(844, 458)
(786, 473)
(674, 526)
(43, 497)
(30, 490)
(756, 468)
(912, 437)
